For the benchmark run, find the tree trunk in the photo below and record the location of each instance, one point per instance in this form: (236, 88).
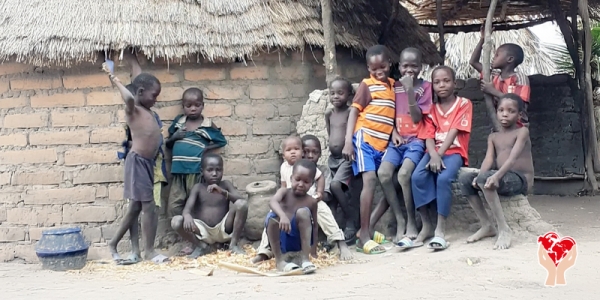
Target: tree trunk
(329, 45)
(487, 51)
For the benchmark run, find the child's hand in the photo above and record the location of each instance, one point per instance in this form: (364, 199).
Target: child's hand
(397, 139)
(435, 164)
(487, 87)
(318, 196)
(493, 182)
(188, 223)
(482, 31)
(284, 224)
(179, 134)
(213, 188)
(407, 82)
(348, 151)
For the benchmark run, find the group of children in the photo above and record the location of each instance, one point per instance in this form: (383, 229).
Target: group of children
(417, 128)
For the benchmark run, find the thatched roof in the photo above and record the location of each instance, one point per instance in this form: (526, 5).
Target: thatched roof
(63, 32)
(468, 15)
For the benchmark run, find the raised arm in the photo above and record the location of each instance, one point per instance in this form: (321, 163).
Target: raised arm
(476, 56)
(490, 154)
(522, 138)
(125, 93)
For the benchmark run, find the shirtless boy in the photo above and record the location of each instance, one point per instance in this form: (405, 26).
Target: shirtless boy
(507, 170)
(340, 169)
(140, 162)
(292, 223)
(207, 217)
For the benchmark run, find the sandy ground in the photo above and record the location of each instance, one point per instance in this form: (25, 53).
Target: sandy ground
(417, 274)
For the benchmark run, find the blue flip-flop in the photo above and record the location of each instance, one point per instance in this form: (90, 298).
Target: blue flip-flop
(407, 243)
(438, 243)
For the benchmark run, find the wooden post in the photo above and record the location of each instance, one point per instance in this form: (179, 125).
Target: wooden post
(440, 23)
(591, 150)
(329, 45)
(486, 64)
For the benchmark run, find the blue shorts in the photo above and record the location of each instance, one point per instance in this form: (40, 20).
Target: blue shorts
(366, 158)
(413, 151)
(289, 242)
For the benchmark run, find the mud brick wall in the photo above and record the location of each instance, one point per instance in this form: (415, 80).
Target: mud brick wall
(555, 126)
(61, 129)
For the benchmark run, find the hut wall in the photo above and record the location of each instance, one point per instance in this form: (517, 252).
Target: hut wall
(62, 128)
(555, 126)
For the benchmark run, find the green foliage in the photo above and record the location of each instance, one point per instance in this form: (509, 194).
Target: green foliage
(563, 61)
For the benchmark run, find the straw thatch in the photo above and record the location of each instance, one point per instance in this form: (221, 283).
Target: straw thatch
(62, 32)
(460, 47)
(461, 13)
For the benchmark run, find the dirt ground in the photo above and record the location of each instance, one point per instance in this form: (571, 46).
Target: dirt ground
(416, 274)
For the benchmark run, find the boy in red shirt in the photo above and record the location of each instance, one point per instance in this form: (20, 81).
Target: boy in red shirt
(446, 133)
(505, 79)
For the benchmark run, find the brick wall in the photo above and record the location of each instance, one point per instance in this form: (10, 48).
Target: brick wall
(61, 129)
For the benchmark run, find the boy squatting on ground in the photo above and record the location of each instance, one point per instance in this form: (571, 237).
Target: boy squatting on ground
(405, 150)
(340, 170)
(139, 165)
(505, 79)
(292, 152)
(446, 134)
(190, 135)
(311, 148)
(370, 124)
(507, 170)
(291, 224)
(207, 218)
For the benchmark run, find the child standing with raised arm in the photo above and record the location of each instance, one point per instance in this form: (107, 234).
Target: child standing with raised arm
(405, 150)
(190, 136)
(340, 169)
(446, 133)
(507, 170)
(140, 162)
(370, 124)
(505, 79)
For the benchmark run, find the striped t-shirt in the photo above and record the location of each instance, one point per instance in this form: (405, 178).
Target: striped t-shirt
(187, 152)
(375, 101)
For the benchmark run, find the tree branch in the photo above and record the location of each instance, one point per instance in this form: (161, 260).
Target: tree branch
(486, 54)
(329, 37)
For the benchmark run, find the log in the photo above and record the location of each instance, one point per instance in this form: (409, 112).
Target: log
(486, 64)
(440, 23)
(329, 37)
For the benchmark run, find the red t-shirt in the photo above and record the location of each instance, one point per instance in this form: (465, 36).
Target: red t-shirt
(517, 83)
(439, 123)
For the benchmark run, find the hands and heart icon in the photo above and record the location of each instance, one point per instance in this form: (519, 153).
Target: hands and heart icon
(556, 247)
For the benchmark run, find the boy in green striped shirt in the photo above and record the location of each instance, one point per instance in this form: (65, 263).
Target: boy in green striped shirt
(190, 135)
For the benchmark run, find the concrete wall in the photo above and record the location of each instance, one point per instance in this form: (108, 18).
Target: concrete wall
(555, 126)
(61, 129)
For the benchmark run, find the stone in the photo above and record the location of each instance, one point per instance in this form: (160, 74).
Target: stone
(259, 195)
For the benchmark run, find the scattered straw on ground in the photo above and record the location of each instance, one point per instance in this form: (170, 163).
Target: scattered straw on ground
(207, 262)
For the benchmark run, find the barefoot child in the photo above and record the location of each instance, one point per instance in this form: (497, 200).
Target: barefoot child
(311, 147)
(507, 170)
(292, 223)
(405, 150)
(340, 169)
(505, 79)
(208, 218)
(190, 136)
(446, 133)
(370, 124)
(140, 163)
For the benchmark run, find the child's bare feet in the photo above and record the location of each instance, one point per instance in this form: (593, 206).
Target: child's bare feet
(483, 232)
(504, 239)
(258, 258)
(200, 251)
(345, 253)
(236, 249)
